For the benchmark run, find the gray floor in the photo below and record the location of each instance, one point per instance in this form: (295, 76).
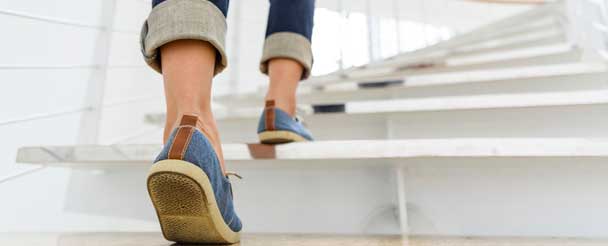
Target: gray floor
(155, 239)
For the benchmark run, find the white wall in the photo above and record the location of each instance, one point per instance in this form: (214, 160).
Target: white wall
(50, 54)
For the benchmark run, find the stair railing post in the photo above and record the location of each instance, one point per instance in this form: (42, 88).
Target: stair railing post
(373, 36)
(235, 61)
(401, 173)
(588, 27)
(91, 119)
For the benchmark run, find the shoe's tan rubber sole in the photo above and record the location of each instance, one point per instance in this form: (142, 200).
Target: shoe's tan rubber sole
(277, 137)
(185, 204)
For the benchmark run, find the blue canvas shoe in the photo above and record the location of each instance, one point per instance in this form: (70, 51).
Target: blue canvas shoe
(192, 197)
(276, 126)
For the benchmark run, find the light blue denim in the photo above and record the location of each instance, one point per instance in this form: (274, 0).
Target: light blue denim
(284, 122)
(201, 153)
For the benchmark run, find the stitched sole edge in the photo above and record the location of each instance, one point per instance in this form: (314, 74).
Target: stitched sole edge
(185, 204)
(276, 137)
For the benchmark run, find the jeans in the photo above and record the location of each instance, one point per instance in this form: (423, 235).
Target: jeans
(288, 31)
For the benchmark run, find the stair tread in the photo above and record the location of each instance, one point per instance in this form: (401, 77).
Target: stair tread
(482, 35)
(481, 102)
(510, 54)
(460, 63)
(555, 33)
(444, 103)
(450, 78)
(537, 17)
(334, 150)
(136, 238)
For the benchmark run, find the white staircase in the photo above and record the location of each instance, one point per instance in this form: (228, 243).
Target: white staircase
(500, 131)
(369, 152)
(537, 78)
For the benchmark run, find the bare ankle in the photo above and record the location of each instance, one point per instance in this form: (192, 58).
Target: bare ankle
(285, 75)
(205, 121)
(206, 124)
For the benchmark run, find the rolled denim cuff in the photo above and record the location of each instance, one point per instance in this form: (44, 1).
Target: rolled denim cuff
(174, 20)
(287, 45)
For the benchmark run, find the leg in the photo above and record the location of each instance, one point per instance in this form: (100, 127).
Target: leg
(188, 185)
(287, 51)
(187, 66)
(287, 59)
(284, 74)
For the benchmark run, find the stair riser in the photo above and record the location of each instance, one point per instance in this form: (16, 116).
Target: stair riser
(390, 65)
(497, 40)
(502, 60)
(465, 196)
(463, 65)
(539, 84)
(545, 40)
(530, 22)
(506, 35)
(556, 121)
(513, 26)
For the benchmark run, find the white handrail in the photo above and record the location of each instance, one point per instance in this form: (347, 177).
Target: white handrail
(41, 116)
(64, 22)
(25, 172)
(44, 115)
(589, 26)
(48, 66)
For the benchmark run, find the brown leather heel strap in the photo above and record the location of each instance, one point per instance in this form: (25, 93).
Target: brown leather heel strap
(269, 115)
(182, 137)
(189, 120)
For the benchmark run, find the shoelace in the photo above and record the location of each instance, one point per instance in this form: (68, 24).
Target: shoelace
(297, 118)
(228, 174)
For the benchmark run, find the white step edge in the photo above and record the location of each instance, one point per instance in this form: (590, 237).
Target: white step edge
(435, 80)
(555, 54)
(509, 55)
(532, 40)
(539, 42)
(523, 29)
(522, 100)
(551, 28)
(498, 74)
(121, 155)
(449, 103)
(435, 57)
